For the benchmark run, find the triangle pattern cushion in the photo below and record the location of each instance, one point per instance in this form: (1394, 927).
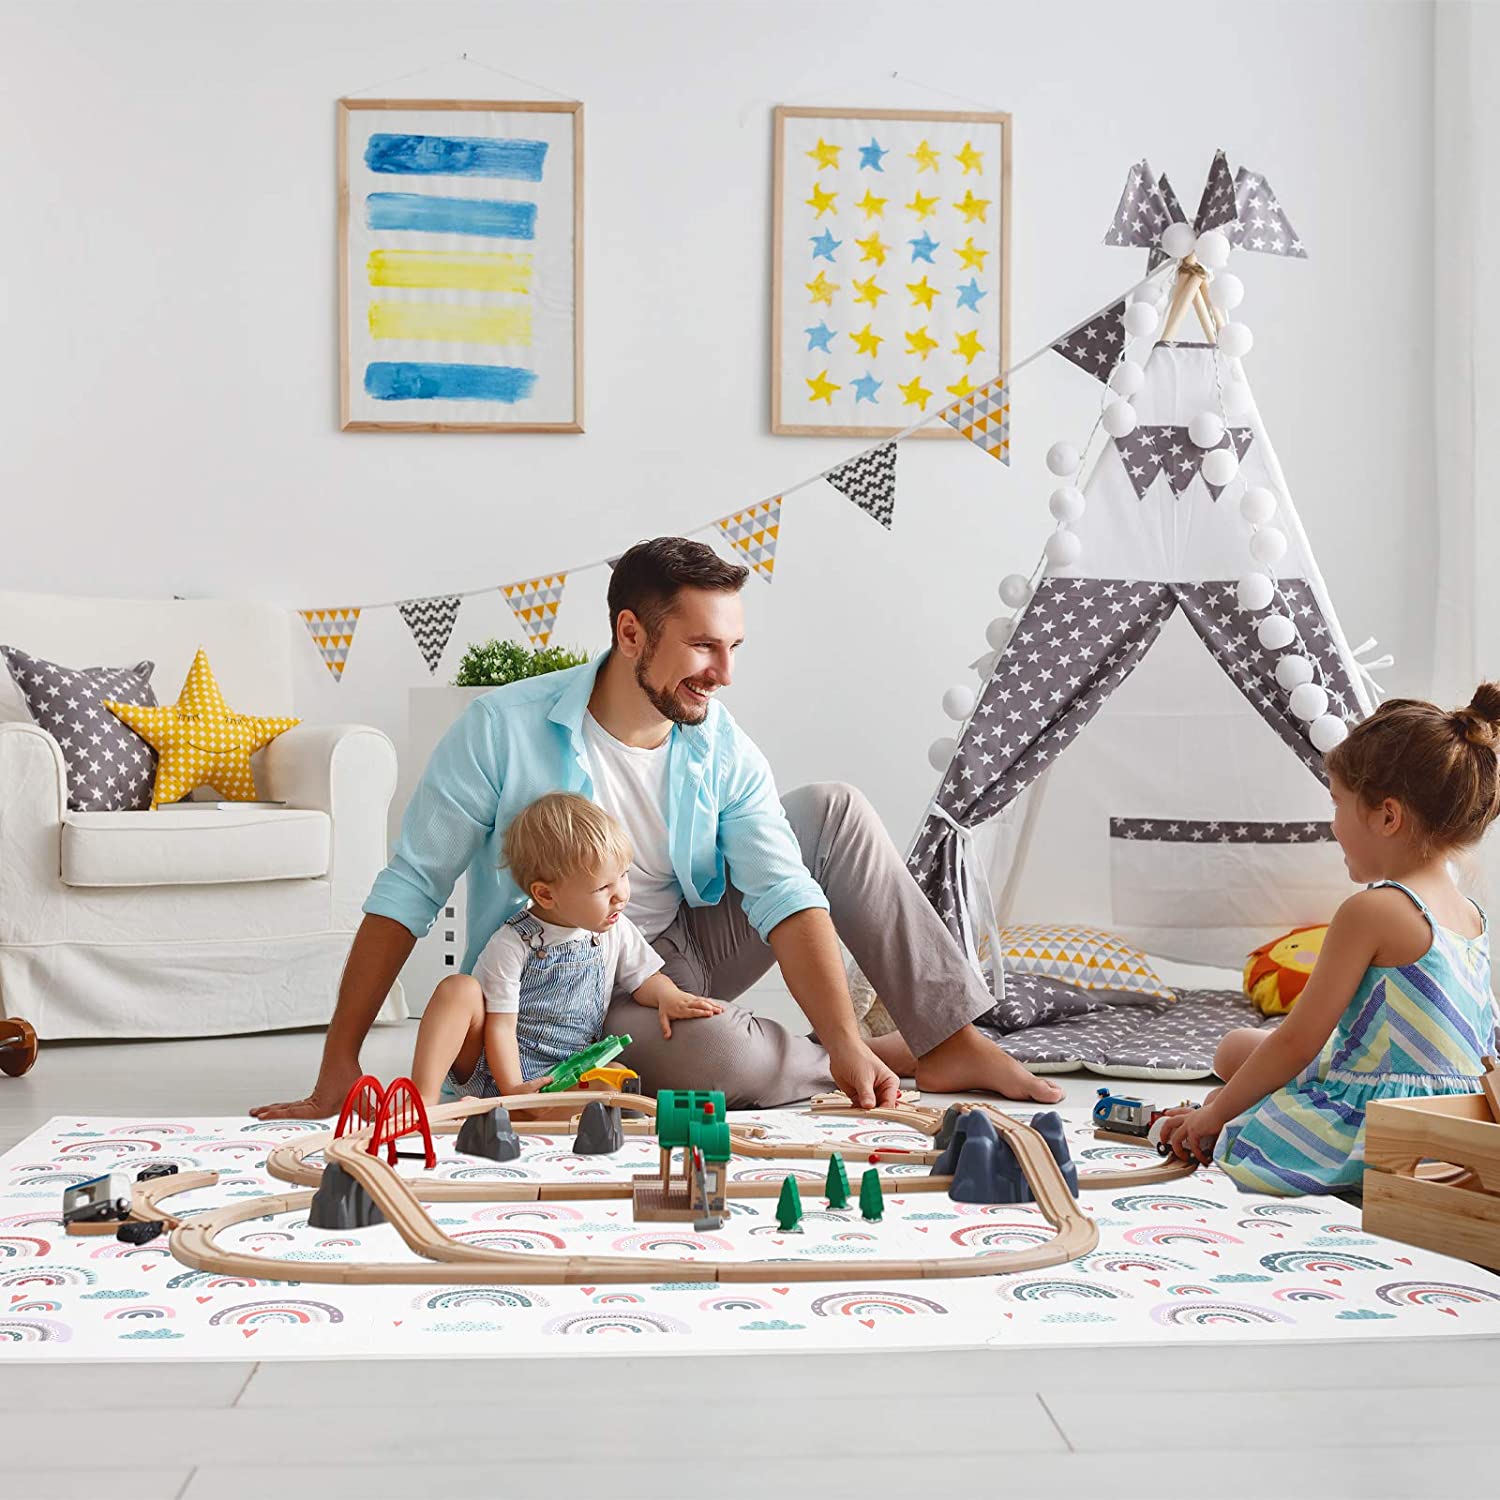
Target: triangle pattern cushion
(1087, 957)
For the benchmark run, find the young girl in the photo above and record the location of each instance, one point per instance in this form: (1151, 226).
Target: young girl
(1399, 1003)
(542, 984)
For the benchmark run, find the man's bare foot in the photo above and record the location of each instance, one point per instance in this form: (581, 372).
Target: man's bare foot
(892, 1050)
(327, 1097)
(967, 1060)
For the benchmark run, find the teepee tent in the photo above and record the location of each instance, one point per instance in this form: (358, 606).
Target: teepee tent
(1154, 718)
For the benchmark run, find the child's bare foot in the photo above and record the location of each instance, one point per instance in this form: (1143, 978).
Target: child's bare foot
(967, 1061)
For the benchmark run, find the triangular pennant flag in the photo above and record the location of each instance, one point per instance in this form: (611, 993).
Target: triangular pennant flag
(1174, 212)
(1142, 451)
(431, 623)
(534, 603)
(1181, 457)
(1096, 346)
(1262, 225)
(753, 533)
(332, 631)
(1242, 437)
(1141, 215)
(614, 561)
(983, 416)
(870, 482)
(1217, 205)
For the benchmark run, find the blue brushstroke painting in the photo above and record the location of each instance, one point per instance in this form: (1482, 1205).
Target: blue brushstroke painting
(493, 217)
(412, 380)
(456, 156)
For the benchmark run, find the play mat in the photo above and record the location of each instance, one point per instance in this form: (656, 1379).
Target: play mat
(1183, 1262)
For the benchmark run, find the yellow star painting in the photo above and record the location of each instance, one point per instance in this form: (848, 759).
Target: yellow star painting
(200, 740)
(900, 314)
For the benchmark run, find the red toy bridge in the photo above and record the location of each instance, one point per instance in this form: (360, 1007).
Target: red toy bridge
(396, 1111)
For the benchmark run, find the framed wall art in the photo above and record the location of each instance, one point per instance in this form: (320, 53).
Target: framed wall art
(460, 265)
(890, 266)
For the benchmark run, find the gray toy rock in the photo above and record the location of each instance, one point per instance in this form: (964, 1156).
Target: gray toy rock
(342, 1203)
(489, 1135)
(599, 1130)
(983, 1167)
(1049, 1125)
(945, 1128)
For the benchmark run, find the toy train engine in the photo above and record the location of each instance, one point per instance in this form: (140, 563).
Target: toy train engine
(1123, 1116)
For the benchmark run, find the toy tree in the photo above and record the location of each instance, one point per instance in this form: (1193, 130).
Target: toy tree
(836, 1189)
(789, 1206)
(871, 1198)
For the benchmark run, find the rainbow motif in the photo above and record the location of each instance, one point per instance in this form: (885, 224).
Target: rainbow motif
(1188, 1289)
(543, 1213)
(293, 1311)
(1156, 1203)
(154, 1127)
(614, 1298)
(1179, 1234)
(999, 1236)
(487, 1174)
(1051, 1291)
(49, 1275)
(450, 1298)
(22, 1246)
(1211, 1314)
(591, 1324)
(1305, 1294)
(734, 1305)
(1319, 1262)
(511, 1239)
(32, 1305)
(213, 1281)
(656, 1242)
(1120, 1265)
(34, 1331)
(147, 1311)
(873, 1304)
(100, 1145)
(1432, 1294)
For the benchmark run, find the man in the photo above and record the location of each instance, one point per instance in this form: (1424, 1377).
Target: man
(727, 878)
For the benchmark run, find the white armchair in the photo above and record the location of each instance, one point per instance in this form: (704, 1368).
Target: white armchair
(191, 922)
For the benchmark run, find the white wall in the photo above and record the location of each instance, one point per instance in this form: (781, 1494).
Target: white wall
(168, 410)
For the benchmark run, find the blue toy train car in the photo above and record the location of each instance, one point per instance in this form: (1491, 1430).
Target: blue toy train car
(1125, 1116)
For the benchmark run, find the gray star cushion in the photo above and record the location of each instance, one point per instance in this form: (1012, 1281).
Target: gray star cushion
(110, 767)
(1040, 1000)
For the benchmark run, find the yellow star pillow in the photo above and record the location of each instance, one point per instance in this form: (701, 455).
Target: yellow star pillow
(200, 740)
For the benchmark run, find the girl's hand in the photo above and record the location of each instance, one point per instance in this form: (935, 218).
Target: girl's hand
(684, 1007)
(1191, 1136)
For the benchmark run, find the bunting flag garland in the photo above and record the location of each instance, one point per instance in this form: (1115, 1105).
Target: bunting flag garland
(753, 533)
(1217, 206)
(332, 631)
(1096, 346)
(614, 561)
(983, 416)
(869, 480)
(431, 623)
(534, 604)
(1262, 225)
(1153, 449)
(1141, 215)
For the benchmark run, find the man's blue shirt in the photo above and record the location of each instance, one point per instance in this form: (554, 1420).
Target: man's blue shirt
(526, 739)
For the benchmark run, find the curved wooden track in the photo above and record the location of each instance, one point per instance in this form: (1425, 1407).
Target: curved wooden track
(445, 1259)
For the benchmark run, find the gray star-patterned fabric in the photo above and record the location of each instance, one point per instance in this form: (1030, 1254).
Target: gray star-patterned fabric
(1261, 223)
(1230, 634)
(870, 482)
(1144, 1039)
(1175, 213)
(431, 623)
(1077, 641)
(1096, 346)
(1218, 831)
(1163, 448)
(1141, 215)
(110, 767)
(1217, 207)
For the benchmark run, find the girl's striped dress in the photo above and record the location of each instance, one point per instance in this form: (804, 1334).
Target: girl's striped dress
(1420, 1028)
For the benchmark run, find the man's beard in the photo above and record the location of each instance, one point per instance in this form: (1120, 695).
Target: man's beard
(666, 704)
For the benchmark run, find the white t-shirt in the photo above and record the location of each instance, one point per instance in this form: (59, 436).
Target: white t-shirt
(631, 785)
(629, 961)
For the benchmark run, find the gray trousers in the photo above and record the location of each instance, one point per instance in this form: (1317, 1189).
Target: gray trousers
(883, 919)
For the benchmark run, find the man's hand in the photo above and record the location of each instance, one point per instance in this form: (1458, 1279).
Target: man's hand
(327, 1097)
(863, 1077)
(684, 1007)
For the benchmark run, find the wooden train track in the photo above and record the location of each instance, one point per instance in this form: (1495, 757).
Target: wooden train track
(194, 1239)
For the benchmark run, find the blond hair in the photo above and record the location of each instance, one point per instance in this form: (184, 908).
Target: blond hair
(560, 835)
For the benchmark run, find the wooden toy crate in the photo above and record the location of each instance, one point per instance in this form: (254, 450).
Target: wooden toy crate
(1457, 1215)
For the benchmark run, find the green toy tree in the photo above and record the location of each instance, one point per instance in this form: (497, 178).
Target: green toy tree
(871, 1199)
(789, 1207)
(836, 1189)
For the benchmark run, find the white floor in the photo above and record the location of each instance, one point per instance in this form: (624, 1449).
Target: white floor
(1258, 1421)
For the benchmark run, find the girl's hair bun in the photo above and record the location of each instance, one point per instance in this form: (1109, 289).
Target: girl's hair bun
(1479, 723)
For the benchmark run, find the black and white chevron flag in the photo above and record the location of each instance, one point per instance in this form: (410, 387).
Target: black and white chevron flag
(431, 623)
(870, 482)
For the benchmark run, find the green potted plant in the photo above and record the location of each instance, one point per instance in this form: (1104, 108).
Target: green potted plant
(493, 663)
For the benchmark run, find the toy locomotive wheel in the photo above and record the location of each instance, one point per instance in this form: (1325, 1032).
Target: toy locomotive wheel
(17, 1047)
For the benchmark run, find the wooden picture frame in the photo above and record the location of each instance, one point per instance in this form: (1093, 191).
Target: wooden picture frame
(936, 147)
(464, 312)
